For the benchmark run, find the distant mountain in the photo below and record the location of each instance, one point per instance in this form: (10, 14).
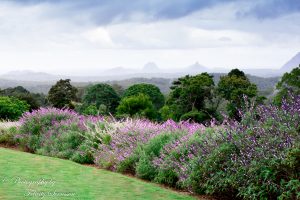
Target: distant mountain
(196, 68)
(150, 67)
(118, 71)
(28, 75)
(291, 64)
(263, 72)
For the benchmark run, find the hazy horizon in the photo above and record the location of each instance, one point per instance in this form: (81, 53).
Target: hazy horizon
(87, 37)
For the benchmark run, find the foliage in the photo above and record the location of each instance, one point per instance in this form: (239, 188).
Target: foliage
(36, 124)
(195, 116)
(189, 93)
(102, 94)
(166, 113)
(91, 110)
(150, 90)
(62, 94)
(254, 158)
(145, 168)
(237, 73)
(255, 168)
(32, 99)
(7, 136)
(12, 108)
(118, 88)
(137, 106)
(233, 87)
(58, 133)
(125, 137)
(290, 82)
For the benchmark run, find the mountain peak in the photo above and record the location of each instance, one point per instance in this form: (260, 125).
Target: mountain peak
(150, 67)
(196, 67)
(291, 64)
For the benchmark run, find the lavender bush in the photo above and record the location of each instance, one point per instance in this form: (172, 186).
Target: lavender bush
(256, 158)
(58, 133)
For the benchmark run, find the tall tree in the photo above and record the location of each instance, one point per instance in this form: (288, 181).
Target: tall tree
(150, 90)
(189, 93)
(233, 87)
(290, 82)
(137, 106)
(238, 73)
(34, 100)
(62, 94)
(102, 95)
(118, 88)
(12, 108)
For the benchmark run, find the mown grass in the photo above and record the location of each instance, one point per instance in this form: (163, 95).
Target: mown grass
(28, 176)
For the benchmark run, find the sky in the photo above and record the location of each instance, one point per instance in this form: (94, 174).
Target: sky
(77, 37)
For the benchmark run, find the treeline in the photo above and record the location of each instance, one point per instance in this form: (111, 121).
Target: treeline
(197, 98)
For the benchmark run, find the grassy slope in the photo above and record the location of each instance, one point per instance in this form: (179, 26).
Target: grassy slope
(70, 178)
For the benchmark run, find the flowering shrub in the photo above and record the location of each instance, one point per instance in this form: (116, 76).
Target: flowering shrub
(37, 123)
(127, 136)
(58, 133)
(8, 132)
(256, 158)
(249, 159)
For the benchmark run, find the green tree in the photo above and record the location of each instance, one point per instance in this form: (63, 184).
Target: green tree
(33, 100)
(12, 108)
(90, 110)
(238, 73)
(290, 82)
(137, 106)
(102, 94)
(118, 88)
(152, 91)
(189, 93)
(166, 113)
(62, 94)
(233, 87)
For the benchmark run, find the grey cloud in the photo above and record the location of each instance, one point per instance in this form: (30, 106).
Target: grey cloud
(266, 9)
(107, 11)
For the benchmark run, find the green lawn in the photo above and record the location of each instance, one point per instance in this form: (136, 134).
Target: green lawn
(28, 176)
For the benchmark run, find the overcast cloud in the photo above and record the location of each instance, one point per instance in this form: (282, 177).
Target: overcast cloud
(87, 36)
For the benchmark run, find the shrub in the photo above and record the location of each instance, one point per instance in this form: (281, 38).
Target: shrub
(255, 168)
(254, 158)
(119, 153)
(102, 94)
(57, 133)
(195, 116)
(62, 94)
(8, 136)
(174, 161)
(146, 153)
(66, 144)
(90, 110)
(137, 106)
(12, 108)
(156, 97)
(36, 124)
(166, 113)
(214, 174)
